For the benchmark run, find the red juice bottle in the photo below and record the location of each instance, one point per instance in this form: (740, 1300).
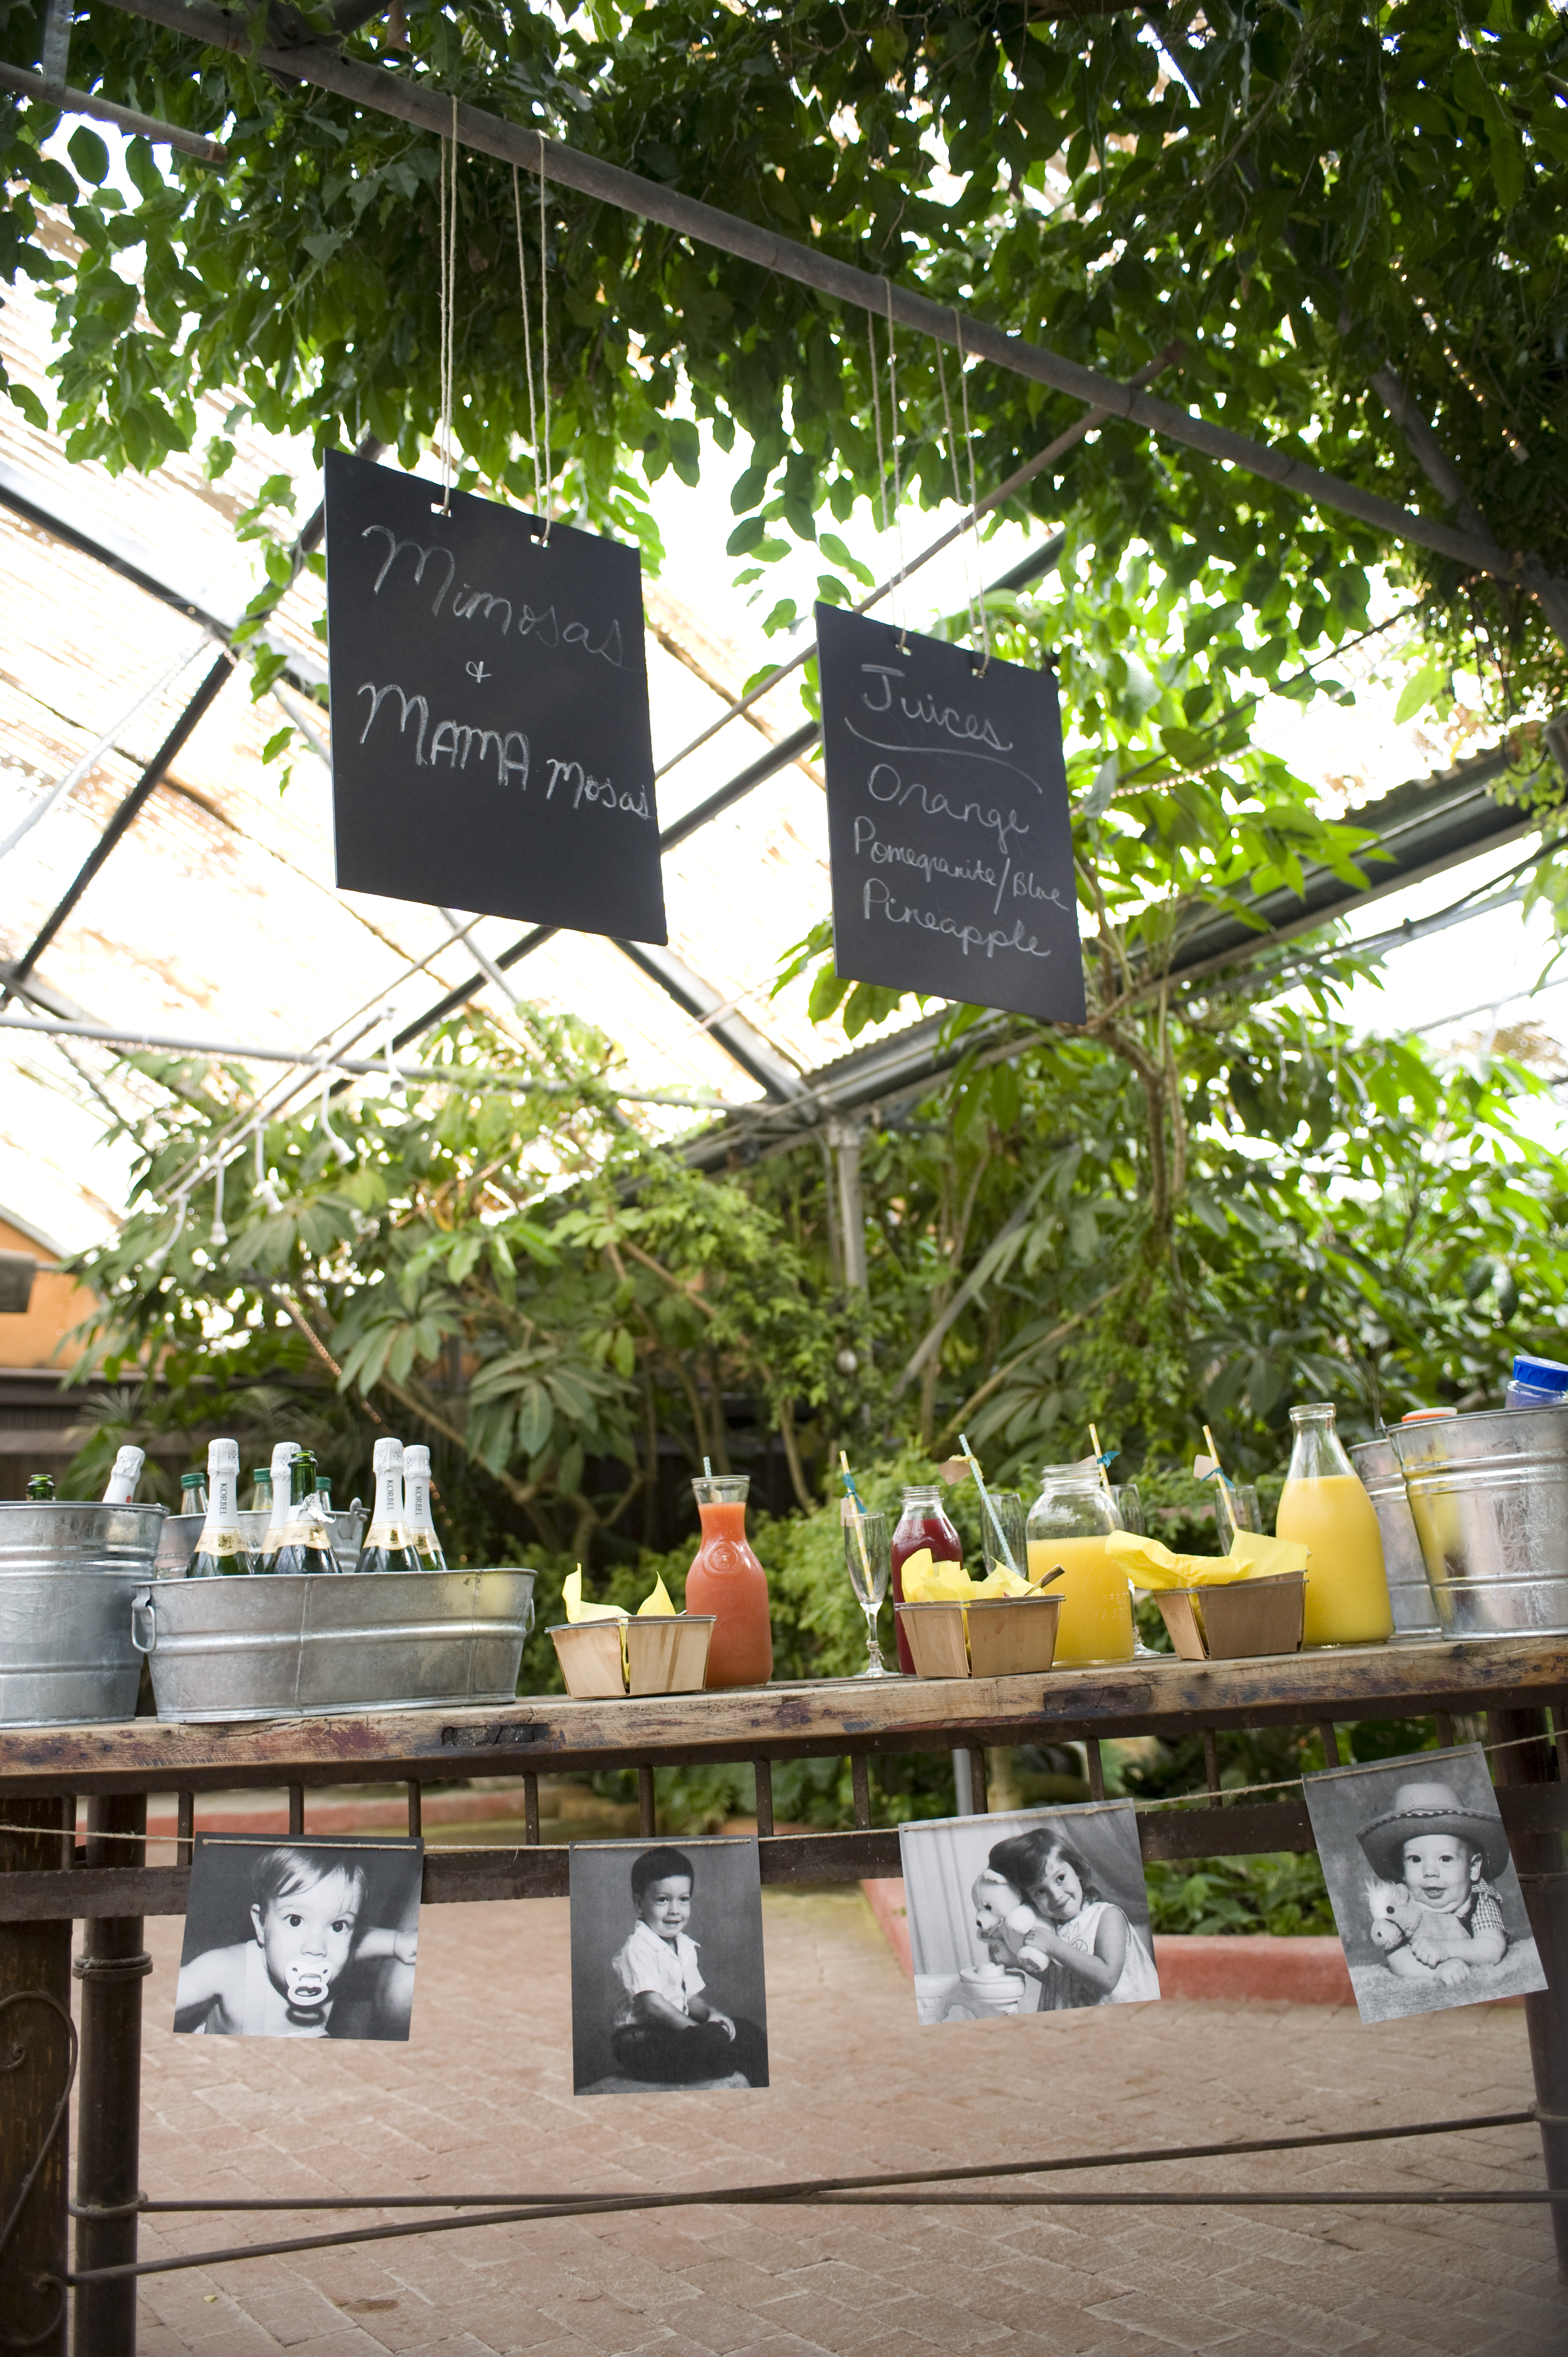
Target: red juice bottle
(922, 1523)
(726, 1579)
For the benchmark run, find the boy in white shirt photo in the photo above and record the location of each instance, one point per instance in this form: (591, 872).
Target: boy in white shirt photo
(664, 2031)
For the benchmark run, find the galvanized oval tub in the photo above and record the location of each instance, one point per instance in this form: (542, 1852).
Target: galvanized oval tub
(1489, 1495)
(303, 1645)
(1410, 1591)
(181, 1532)
(67, 1577)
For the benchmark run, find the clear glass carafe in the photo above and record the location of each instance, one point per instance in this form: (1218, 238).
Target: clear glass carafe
(1069, 1524)
(1324, 1506)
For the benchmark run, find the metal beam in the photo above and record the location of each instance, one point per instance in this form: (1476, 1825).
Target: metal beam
(740, 1040)
(65, 101)
(436, 110)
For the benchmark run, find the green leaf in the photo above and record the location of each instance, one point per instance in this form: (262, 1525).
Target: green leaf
(89, 155)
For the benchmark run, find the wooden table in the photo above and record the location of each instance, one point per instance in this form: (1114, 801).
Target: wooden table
(47, 1881)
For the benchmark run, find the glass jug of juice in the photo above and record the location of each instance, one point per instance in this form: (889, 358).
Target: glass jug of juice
(1069, 1524)
(922, 1523)
(727, 1580)
(1325, 1507)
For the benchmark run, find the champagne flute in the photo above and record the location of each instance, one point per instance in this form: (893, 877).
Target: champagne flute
(868, 1557)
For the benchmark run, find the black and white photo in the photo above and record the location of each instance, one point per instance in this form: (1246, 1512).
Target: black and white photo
(667, 1987)
(1043, 1910)
(1426, 1897)
(300, 1938)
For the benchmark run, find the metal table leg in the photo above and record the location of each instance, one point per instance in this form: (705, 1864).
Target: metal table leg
(110, 1968)
(1538, 1858)
(37, 2043)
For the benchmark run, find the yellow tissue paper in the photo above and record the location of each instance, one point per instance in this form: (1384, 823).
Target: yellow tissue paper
(1152, 1565)
(577, 1609)
(926, 1582)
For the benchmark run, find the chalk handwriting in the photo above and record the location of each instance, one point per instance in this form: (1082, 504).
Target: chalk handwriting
(480, 671)
(487, 604)
(1026, 888)
(885, 784)
(601, 791)
(454, 740)
(394, 550)
(945, 717)
(877, 900)
(870, 845)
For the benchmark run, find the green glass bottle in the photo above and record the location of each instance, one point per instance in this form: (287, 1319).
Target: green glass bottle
(305, 1544)
(387, 1544)
(262, 1490)
(41, 1487)
(193, 1493)
(221, 1551)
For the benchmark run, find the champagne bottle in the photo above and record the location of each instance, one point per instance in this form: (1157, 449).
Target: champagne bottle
(122, 1485)
(41, 1486)
(193, 1493)
(417, 1501)
(283, 1455)
(262, 1490)
(387, 1544)
(306, 1541)
(221, 1551)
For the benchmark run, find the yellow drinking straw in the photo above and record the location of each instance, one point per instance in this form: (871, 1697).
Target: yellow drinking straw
(985, 1500)
(858, 1518)
(1098, 1459)
(1208, 1444)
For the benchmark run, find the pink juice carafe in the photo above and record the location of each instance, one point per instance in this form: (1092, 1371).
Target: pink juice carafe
(922, 1523)
(727, 1580)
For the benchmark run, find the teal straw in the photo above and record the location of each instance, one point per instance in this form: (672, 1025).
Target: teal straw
(995, 1517)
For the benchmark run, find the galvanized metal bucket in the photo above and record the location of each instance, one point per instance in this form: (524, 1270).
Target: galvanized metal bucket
(181, 1532)
(1410, 1591)
(300, 1645)
(1489, 1495)
(67, 1577)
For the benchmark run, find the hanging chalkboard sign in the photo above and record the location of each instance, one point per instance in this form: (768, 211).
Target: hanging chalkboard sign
(948, 825)
(490, 740)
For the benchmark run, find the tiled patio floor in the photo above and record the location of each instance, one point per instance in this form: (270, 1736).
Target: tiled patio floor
(481, 2101)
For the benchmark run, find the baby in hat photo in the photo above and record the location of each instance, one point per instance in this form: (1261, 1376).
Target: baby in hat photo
(1426, 1897)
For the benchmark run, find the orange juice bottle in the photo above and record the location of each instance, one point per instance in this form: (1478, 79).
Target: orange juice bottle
(1069, 1524)
(1326, 1508)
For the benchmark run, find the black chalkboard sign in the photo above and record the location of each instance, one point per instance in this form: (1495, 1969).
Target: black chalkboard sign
(490, 739)
(948, 827)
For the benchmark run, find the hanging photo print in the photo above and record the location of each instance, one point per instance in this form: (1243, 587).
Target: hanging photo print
(1426, 1897)
(1040, 1911)
(668, 1992)
(300, 1938)
(491, 747)
(948, 832)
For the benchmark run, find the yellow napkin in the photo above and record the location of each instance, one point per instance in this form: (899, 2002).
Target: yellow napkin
(1150, 1565)
(926, 1582)
(572, 1598)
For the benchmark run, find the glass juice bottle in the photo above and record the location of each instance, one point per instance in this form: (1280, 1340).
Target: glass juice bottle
(726, 1579)
(1325, 1507)
(1069, 1524)
(923, 1523)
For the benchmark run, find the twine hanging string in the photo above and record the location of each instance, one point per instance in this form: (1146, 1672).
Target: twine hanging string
(1082, 1808)
(527, 337)
(448, 261)
(976, 605)
(901, 599)
(544, 351)
(973, 496)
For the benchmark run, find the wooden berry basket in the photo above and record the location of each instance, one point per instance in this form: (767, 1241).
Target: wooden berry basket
(1265, 1615)
(1009, 1636)
(668, 1652)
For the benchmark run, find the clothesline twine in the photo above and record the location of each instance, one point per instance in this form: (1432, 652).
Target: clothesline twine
(512, 1850)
